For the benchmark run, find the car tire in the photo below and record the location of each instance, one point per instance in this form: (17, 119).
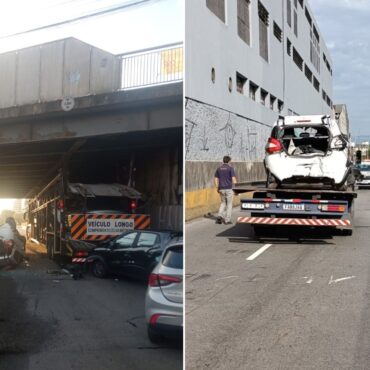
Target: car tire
(99, 269)
(271, 182)
(153, 336)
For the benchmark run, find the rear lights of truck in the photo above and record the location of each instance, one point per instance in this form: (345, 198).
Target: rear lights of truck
(332, 208)
(273, 146)
(157, 280)
(133, 205)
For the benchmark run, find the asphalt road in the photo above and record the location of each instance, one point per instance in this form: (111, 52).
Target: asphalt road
(50, 321)
(298, 305)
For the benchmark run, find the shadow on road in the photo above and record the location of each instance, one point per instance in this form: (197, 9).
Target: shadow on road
(244, 233)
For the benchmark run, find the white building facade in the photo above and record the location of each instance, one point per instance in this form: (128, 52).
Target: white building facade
(247, 62)
(250, 60)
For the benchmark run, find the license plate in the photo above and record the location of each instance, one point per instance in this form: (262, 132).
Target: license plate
(253, 206)
(293, 207)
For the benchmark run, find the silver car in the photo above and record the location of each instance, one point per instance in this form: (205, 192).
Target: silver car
(364, 169)
(164, 297)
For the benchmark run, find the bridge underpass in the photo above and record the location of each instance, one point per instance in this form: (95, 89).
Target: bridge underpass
(101, 139)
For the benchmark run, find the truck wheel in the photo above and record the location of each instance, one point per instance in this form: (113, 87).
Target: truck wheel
(99, 269)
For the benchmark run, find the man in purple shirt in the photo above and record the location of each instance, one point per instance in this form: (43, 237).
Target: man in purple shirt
(224, 180)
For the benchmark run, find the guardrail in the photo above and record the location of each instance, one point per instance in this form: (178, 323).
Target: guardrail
(152, 66)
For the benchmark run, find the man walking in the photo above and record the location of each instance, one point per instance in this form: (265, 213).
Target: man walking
(224, 180)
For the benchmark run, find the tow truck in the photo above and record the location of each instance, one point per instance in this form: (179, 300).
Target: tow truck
(299, 207)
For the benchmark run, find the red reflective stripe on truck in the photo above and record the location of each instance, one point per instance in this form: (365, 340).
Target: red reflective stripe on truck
(294, 221)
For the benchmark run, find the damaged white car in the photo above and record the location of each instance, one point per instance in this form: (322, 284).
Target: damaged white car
(308, 152)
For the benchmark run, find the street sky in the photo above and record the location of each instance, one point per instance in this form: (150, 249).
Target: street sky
(154, 23)
(345, 25)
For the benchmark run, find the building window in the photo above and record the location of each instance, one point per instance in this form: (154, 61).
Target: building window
(288, 47)
(315, 48)
(230, 84)
(297, 59)
(308, 73)
(263, 96)
(308, 16)
(328, 101)
(280, 106)
(243, 20)
(253, 88)
(326, 62)
(278, 33)
(323, 95)
(295, 24)
(272, 102)
(240, 83)
(263, 28)
(289, 13)
(316, 84)
(217, 7)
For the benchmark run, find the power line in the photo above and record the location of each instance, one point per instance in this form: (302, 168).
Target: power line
(80, 18)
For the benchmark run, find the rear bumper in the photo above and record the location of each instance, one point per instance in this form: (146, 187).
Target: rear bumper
(295, 221)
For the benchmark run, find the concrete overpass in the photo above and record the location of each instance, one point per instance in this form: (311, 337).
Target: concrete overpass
(83, 120)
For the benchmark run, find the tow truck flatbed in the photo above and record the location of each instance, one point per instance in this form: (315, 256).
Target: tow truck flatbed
(298, 207)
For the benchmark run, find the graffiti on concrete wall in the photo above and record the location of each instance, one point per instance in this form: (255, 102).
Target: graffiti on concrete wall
(211, 133)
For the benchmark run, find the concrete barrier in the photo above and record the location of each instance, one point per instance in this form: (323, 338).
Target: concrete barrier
(201, 196)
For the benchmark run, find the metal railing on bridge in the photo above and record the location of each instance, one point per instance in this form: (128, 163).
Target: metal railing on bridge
(152, 66)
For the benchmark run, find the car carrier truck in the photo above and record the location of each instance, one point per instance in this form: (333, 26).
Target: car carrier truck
(310, 177)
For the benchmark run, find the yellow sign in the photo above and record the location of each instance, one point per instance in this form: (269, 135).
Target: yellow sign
(172, 61)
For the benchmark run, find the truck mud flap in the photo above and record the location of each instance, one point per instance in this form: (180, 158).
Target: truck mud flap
(295, 221)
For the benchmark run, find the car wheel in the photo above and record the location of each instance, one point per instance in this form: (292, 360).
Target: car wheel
(99, 269)
(154, 337)
(271, 182)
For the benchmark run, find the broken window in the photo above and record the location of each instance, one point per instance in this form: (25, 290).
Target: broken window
(217, 7)
(243, 20)
(305, 140)
(263, 31)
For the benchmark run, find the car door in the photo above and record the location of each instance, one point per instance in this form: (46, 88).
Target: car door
(121, 252)
(144, 253)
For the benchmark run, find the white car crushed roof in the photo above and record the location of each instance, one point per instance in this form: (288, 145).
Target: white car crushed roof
(308, 150)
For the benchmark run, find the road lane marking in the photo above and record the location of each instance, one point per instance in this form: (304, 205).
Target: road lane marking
(332, 281)
(257, 253)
